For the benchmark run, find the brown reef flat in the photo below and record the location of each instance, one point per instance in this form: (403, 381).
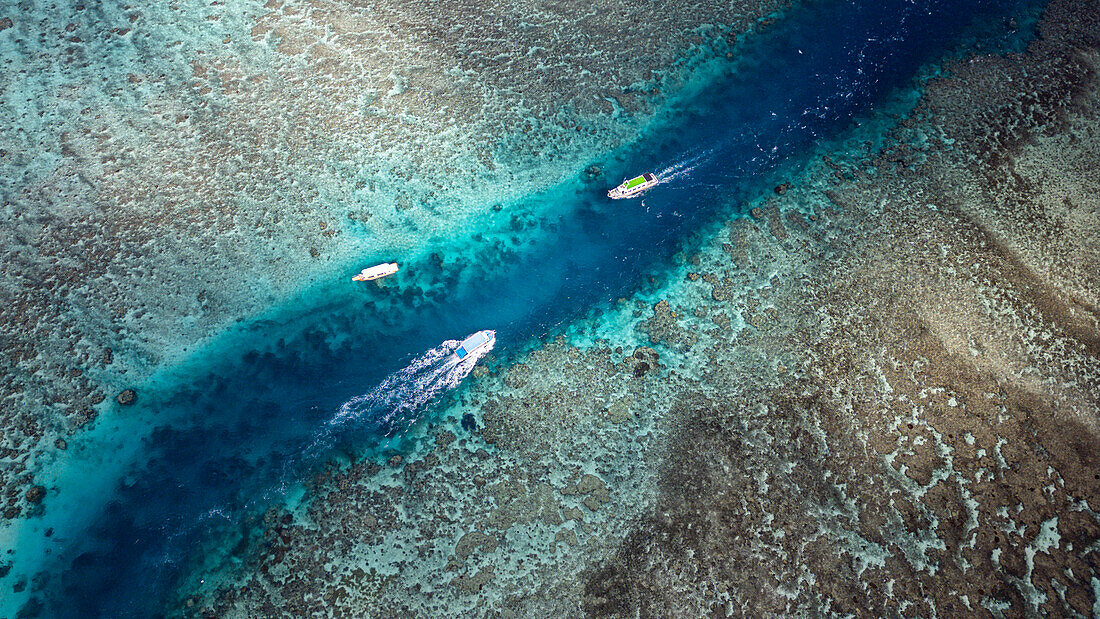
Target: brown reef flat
(878, 396)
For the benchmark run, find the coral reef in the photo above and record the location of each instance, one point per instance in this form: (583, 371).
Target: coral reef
(169, 170)
(877, 395)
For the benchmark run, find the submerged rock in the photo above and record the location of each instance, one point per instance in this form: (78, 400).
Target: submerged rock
(127, 397)
(84, 417)
(664, 327)
(474, 540)
(469, 423)
(36, 494)
(473, 584)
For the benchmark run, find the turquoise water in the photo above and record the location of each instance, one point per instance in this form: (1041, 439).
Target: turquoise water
(240, 426)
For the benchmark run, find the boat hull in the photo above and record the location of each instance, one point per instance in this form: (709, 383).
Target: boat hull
(631, 188)
(376, 272)
(475, 343)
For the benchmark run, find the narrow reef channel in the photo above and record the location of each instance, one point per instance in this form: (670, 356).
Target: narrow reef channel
(659, 363)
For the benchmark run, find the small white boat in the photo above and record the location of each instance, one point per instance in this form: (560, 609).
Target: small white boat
(633, 186)
(476, 342)
(376, 272)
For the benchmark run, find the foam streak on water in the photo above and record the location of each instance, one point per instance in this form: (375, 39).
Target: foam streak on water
(394, 403)
(683, 167)
(387, 411)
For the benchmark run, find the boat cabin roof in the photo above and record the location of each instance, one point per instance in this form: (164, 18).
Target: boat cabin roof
(634, 182)
(377, 269)
(474, 341)
(470, 344)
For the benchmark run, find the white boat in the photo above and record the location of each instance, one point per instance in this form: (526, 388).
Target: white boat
(476, 342)
(376, 272)
(633, 186)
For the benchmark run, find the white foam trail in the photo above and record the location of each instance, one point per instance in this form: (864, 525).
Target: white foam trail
(406, 391)
(692, 160)
(393, 405)
(685, 166)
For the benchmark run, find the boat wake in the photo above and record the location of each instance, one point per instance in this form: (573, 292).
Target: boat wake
(692, 160)
(685, 166)
(766, 153)
(387, 411)
(394, 404)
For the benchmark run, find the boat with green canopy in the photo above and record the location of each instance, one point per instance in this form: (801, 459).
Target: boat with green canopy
(633, 186)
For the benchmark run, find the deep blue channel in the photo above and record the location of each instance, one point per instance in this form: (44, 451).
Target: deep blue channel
(249, 423)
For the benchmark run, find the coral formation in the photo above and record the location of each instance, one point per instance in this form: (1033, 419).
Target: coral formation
(169, 170)
(876, 395)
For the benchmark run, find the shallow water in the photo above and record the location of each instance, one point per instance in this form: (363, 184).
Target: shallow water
(241, 427)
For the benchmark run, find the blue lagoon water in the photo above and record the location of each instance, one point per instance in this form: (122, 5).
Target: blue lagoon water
(244, 424)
